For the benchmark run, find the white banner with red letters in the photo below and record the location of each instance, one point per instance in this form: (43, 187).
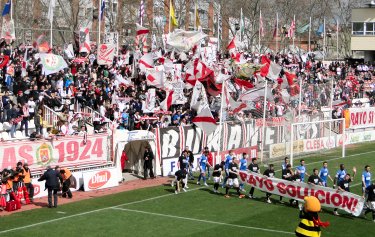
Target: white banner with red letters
(40, 190)
(98, 179)
(361, 117)
(328, 197)
(66, 151)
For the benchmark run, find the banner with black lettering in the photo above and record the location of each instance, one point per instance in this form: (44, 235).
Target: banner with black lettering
(328, 197)
(170, 142)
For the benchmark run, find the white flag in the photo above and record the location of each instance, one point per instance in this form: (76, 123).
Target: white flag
(199, 97)
(51, 8)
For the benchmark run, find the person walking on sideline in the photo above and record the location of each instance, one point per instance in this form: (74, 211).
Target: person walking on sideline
(52, 178)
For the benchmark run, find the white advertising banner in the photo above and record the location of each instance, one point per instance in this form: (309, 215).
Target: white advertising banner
(99, 179)
(39, 186)
(361, 117)
(328, 197)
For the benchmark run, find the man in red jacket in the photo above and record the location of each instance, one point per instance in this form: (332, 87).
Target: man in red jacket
(210, 159)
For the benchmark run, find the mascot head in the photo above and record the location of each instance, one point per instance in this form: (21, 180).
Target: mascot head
(312, 204)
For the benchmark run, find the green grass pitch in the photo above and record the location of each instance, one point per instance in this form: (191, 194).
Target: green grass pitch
(199, 212)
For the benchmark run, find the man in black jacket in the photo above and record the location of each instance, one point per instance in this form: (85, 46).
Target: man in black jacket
(52, 178)
(147, 165)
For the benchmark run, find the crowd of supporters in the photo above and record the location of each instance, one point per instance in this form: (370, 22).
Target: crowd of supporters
(117, 92)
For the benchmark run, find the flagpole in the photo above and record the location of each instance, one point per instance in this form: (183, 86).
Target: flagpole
(218, 29)
(51, 32)
(324, 38)
(337, 40)
(100, 21)
(11, 9)
(294, 20)
(310, 35)
(260, 17)
(300, 98)
(264, 121)
(195, 15)
(241, 26)
(221, 116)
(277, 31)
(170, 12)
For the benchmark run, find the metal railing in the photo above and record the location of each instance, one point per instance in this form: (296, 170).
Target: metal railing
(50, 116)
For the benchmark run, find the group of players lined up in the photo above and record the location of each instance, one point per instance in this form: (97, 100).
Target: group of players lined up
(231, 165)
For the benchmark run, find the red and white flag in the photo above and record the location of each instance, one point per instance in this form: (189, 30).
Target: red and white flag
(292, 29)
(84, 40)
(270, 69)
(141, 30)
(169, 99)
(290, 76)
(146, 61)
(232, 45)
(106, 54)
(155, 78)
(205, 121)
(199, 97)
(229, 102)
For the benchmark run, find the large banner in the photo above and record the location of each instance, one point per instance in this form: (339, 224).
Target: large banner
(328, 197)
(172, 141)
(361, 117)
(67, 151)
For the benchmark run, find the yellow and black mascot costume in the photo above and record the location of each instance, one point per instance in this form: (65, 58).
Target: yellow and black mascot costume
(310, 223)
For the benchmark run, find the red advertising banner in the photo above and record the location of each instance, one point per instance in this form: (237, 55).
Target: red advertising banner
(67, 151)
(361, 117)
(328, 197)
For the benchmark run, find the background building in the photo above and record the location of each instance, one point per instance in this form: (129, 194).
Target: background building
(363, 32)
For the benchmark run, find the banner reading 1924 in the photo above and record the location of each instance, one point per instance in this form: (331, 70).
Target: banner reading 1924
(66, 151)
(328, 197)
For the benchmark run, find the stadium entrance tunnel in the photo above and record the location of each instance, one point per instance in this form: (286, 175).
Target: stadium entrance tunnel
(130, 148)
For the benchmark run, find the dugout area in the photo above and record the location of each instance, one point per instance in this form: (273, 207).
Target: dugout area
(134, 144)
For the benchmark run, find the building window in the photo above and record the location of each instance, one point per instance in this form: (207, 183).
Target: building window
(358, 28)
(369, 28)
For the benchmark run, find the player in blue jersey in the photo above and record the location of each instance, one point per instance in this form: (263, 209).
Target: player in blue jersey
(243, 167)
(228, 161)
(340, 175)
(301, 170)
(203, 164)
(366, 179)
(324, 174)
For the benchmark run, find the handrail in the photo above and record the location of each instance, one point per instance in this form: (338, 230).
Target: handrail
(50, 116)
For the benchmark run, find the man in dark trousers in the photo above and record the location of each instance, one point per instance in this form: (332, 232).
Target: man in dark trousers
(147, 165)
(52, 178)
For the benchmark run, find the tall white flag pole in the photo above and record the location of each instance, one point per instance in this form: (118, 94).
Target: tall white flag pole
(294, 30)
(337, 40)
(277, 31)
(11, 9)
(221, 116)
(264, 121)
(300, 98)
(310, 35)
(324, 38)
(100, 20)
(218, 28)
(241, 25)
(260, 17)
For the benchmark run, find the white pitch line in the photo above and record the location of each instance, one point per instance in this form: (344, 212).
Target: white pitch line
(204, 221)
(337, 158)
(89, 212)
